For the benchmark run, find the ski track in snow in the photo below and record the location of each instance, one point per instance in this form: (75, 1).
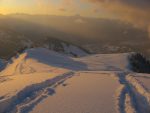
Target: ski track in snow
(26, 99)
(39, 95)
(131, 96)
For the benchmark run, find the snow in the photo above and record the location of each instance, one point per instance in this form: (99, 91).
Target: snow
(44, 81)
(23, 72)
(106, 62)
(66, 48)
(40, 60)
(144, 80)
(73, 50)
(83, 93)
(141, 84)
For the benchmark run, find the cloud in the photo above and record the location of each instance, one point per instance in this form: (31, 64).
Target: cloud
(80, 21)
(62, 9)
(96, 10)
(136, 12)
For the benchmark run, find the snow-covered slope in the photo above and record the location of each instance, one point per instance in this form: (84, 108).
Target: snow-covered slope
(57, 45)
(39, 60)
(12, 42)
(105, 62)
(44, 81)
(65, 48)
(33, 59)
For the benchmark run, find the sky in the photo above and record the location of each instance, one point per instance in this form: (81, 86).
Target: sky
(54, 7)
(136, 12)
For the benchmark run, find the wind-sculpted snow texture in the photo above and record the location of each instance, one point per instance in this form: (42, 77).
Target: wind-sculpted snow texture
(43, 81)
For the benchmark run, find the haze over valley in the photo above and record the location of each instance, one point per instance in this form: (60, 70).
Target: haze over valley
(93, 34)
